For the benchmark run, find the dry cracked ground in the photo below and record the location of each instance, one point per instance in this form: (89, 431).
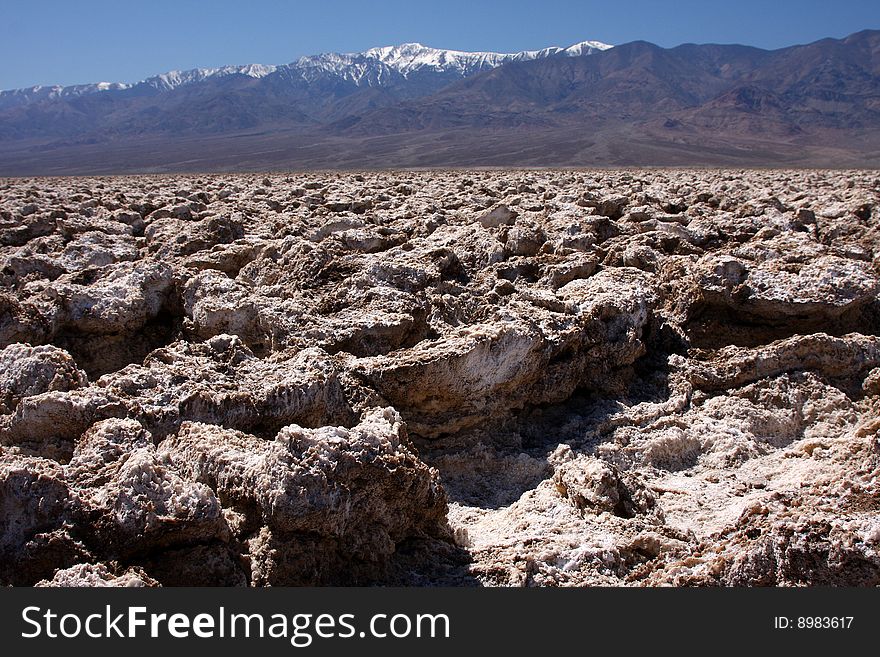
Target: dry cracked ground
(522, 378)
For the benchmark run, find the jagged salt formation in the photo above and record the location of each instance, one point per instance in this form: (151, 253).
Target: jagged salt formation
(514, 378)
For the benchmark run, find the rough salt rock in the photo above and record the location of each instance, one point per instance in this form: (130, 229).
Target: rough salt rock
(19, 231)
(20, 322)
(219, 382)
(138, 502)
(90, 250)
(498, 216)
(574, 266)
(594, 486)
(26, 371)
(640, 257)
(97, 576)
(612, 207)
(215, 304)
(824, 287)
(176, 237)
(50, 423)
(773, 548)
(117, 299)
(707, 338)
(846, 356)
(453, 383)
(525, 240)
(323, 497)
(37, 512)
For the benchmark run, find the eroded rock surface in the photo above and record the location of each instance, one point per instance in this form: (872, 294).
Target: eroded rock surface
(506, 378)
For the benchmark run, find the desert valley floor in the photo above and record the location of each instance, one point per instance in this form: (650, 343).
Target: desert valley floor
(549, 378)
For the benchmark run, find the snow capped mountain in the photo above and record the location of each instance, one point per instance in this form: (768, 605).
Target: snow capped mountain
(413, 105)
(163, 82)
(373, 67)
(174, 79)
(586, 48)
(353, 67)
(41, 92)
(408, 58)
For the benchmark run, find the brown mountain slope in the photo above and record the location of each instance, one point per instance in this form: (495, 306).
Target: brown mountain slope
(636, 104)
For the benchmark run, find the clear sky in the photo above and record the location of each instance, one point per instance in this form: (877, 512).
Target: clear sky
(75, 41)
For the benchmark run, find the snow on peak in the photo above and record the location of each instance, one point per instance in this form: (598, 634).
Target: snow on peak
(407, 58)
(586, 48)
(162, 82)
(53, 92)
(379, 66)
(376, 66)
(173, 79)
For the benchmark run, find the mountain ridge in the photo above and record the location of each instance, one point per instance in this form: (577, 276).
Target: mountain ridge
(635, 104)
(405, 57)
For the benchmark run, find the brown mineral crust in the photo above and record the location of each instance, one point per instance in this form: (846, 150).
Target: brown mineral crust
(641, 377)
(26, 371)
(330, 504)
(97, 575)
(38, 513)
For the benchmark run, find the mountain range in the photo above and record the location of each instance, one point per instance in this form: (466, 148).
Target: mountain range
(635, 104)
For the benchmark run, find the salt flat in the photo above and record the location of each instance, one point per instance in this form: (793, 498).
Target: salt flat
(508, 377)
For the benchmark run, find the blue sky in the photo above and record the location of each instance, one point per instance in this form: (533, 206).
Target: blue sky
(75, 41)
